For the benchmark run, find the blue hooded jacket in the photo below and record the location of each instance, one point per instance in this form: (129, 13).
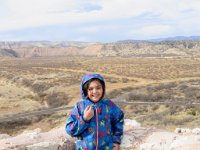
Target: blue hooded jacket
(103, 129)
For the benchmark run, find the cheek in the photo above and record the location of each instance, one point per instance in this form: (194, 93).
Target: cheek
(101, 92)
(89, 92)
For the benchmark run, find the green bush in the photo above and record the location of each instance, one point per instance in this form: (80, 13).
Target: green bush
(192, 111)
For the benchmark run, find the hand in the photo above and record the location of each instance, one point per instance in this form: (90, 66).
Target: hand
(115, 146)
(88, 113)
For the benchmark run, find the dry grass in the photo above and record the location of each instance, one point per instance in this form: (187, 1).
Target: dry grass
(35, 83)
(184, 91)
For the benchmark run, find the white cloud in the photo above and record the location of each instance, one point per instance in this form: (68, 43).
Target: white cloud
(99, 28)
(35, 13)
(151, 31)
(38, 7)
(81, 38)
(136, 18)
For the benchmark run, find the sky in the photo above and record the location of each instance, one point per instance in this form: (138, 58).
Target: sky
(97, 20)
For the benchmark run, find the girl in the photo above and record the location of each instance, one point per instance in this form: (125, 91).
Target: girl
(95, 121)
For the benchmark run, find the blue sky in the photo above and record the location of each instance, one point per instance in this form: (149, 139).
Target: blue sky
(97, 20)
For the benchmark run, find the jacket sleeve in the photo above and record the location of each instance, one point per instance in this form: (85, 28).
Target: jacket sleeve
(117, 117)
(76, 124)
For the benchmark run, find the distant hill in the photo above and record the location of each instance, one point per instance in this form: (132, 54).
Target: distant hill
(163, 48)
(176, 38)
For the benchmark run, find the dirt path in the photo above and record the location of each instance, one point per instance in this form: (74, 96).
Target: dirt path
(34, 113)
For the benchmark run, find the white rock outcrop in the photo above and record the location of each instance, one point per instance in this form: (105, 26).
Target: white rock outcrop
(43, 146)
(135, 136)
(171, 141)
(30, 139)
(187, 131)
(4, 136)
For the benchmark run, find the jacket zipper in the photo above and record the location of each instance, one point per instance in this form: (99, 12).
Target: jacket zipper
(97, 127)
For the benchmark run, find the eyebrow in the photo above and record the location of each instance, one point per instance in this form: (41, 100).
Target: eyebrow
(95, 86)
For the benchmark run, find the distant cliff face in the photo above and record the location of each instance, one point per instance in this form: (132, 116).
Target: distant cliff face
(124, 49)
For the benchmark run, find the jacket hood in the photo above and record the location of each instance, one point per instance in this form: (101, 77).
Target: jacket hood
(87, 78)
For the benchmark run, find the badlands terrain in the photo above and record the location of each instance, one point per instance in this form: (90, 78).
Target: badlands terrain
(156, 84)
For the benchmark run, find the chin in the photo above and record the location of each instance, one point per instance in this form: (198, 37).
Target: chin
(95, 100)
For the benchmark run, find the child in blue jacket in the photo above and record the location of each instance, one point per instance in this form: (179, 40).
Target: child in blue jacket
(95, 121)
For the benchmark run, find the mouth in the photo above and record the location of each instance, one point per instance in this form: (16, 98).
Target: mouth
(95, 96)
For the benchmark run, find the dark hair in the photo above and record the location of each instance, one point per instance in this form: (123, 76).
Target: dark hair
(86, 86)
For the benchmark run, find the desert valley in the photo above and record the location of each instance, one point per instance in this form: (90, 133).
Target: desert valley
(160, 81)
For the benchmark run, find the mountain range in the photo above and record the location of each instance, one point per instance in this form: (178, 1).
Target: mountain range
(168, 47)
(175, 38)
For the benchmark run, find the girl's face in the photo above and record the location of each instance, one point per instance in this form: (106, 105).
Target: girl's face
(95, 91)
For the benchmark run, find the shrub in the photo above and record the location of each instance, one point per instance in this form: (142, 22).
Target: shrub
(56, 99)
(26, 82)
(112, 79)
(192, 111)
(191, 92)
(124, 80)
(158, 96)
(39, 87)
(115, 93)
(165, 86)
(137, 97)
(155, 107)
(183, 87)
(173, 109)
(140, 109)
(128, 88)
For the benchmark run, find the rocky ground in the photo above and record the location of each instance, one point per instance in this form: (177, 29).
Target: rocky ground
(135, 138)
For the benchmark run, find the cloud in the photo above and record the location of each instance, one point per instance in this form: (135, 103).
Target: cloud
(86, 18)
(151, 31)
(35, 7)
(35, 13)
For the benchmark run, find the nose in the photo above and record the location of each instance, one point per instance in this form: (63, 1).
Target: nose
(95, 90)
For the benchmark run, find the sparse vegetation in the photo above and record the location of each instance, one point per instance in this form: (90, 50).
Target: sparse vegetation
(37, 83)
(56, 99)
(174, 92)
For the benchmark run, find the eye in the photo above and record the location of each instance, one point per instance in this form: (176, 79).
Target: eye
(90, 89)
(99, 87)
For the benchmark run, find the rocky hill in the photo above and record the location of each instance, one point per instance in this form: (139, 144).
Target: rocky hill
(181, 48)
